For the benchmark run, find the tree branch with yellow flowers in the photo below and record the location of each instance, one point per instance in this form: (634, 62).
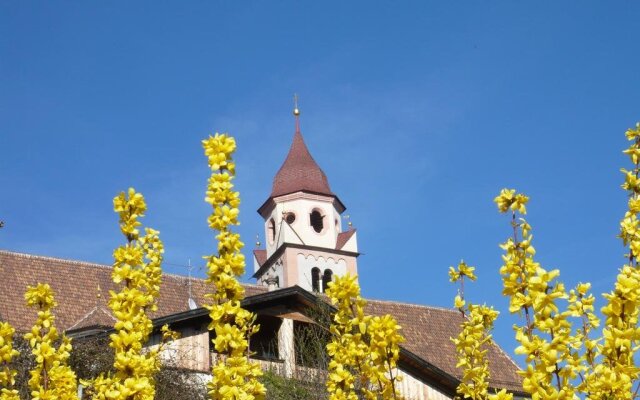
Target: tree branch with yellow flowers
(234, 375)
(617, 373)
(51, 379)
(7, 354)
(471, 344)
(364, 349)
(137, 268)
(552, 349)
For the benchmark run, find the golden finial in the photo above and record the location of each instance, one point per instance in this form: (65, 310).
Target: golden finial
(296, 111)
(99, 294)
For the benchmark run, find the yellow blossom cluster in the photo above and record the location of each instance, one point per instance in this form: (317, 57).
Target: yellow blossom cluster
(457, 274)
(615, 375)
(137, 268)
(51, 378)
(364, 350)
(557, 357)
(7, 353)
(471, 343)
(235, 377)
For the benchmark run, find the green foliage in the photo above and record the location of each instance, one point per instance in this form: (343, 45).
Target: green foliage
(282, 388)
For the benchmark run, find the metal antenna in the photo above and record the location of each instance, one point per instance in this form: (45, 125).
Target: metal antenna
(191, 301)
(189, 280)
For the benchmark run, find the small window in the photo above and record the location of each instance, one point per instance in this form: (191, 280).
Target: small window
(290, 218)
(315, 279)
(271, 230)
(315, 220)
(326, 278)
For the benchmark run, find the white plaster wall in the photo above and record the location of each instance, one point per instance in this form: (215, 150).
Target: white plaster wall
(307, 262)
(303, 208)
(352, 243)
(256, 264)
(302, 204)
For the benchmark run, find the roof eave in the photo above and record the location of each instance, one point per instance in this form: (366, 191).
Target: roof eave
(337, 203)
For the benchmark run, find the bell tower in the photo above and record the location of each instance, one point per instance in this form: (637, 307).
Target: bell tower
(306, 244)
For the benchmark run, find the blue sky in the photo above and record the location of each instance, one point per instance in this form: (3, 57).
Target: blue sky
(418, 112)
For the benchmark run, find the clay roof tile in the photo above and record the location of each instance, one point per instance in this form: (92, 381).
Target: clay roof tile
(428, 330)
(300, 172)
(75, 286)
(343, 238)
(261, 255)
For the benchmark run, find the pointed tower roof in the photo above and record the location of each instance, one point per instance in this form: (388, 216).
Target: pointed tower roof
(300, 172)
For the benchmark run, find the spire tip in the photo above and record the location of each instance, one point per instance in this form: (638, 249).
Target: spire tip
(296, 110)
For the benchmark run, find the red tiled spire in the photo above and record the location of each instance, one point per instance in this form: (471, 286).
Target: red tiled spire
(300, 172)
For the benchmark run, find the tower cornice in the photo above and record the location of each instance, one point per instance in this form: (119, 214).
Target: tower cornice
(278, 253)
(267, 206)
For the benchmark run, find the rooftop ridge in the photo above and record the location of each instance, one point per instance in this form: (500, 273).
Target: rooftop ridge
(95, 265)
(49, 258)
(452, 310)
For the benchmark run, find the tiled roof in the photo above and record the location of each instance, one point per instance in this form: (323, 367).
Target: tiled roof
(343, 238)
(75, 284)
(300, 172)
(428, 330)
(261, 256)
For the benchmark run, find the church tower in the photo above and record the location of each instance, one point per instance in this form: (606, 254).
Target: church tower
(305, 241)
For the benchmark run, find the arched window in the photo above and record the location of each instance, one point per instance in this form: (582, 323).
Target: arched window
(315, 220)
(315, 279)
(326, 278)
(271, 230)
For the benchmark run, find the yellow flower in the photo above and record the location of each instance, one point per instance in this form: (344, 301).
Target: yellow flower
(51, 377)
(137, 268)
(471, 343)
(360, 343)
(509, 199)
(7, 353)
(234, 377)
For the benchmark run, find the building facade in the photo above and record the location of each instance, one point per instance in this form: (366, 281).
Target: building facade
(307, 244)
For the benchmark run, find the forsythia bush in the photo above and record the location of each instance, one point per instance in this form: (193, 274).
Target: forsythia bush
(51, 379)
(235, 377)
(364, 350)
(472, 340)
(7, 353)
(137, 266)
(563, 362)
(617, 372)
(553, 351)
